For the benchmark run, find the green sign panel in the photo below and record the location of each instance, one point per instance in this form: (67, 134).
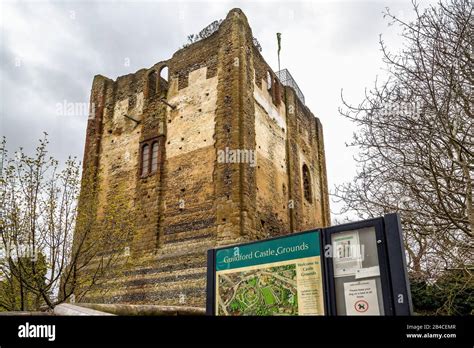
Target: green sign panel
(364, 266)
(281, 276)
(275, 250)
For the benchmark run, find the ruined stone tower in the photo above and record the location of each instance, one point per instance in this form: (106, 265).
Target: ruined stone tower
(170, 141)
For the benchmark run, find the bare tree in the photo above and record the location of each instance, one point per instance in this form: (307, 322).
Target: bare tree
(416, 140)
(38, 204)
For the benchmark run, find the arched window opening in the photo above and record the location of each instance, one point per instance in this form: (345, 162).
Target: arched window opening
(307, 184)
(164, 75)
(150, 156)
(269, 80)
(145, 159)
(152, 81)
(154, 157)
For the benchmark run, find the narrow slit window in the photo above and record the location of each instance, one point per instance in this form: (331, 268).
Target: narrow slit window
(276, 92)
(145, 159)
(269, 81)
(307, 184)
(154, 157)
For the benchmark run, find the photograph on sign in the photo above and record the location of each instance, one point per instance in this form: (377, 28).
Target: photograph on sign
(282, 276)
(361, 298)
(347, 253)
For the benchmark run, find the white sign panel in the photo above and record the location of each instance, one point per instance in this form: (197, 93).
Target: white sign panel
(361, 298)
(367, 272)
(347, 253)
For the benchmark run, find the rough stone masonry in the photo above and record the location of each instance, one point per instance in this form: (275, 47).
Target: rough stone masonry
(161, 138)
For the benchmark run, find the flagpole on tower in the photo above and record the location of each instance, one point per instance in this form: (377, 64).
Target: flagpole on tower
(279, 49)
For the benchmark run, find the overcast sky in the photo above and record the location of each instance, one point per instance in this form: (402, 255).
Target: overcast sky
(50, 52)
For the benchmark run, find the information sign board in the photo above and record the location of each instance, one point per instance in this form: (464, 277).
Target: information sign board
(357, 268)
(280, 276)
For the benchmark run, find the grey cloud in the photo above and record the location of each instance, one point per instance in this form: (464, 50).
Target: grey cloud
(103, 34)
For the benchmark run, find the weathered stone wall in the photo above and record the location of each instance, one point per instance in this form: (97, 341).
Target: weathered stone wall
(272, 177)
(288, 136)
(305, 146)
(216, 97)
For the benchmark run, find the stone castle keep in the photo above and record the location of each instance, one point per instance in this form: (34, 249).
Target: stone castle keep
(171, 141)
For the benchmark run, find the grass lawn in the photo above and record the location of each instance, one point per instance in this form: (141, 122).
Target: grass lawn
(268, 296)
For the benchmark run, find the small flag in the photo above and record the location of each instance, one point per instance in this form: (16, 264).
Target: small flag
(279, 49)
(279, 42)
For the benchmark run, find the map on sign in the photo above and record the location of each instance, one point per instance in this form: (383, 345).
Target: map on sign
(267, 291)
(280, 276)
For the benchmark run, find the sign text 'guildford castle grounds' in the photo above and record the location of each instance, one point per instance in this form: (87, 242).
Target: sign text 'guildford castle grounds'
(359, 271)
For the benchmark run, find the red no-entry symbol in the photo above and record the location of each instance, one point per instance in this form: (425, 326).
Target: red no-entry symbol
(361, 306)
